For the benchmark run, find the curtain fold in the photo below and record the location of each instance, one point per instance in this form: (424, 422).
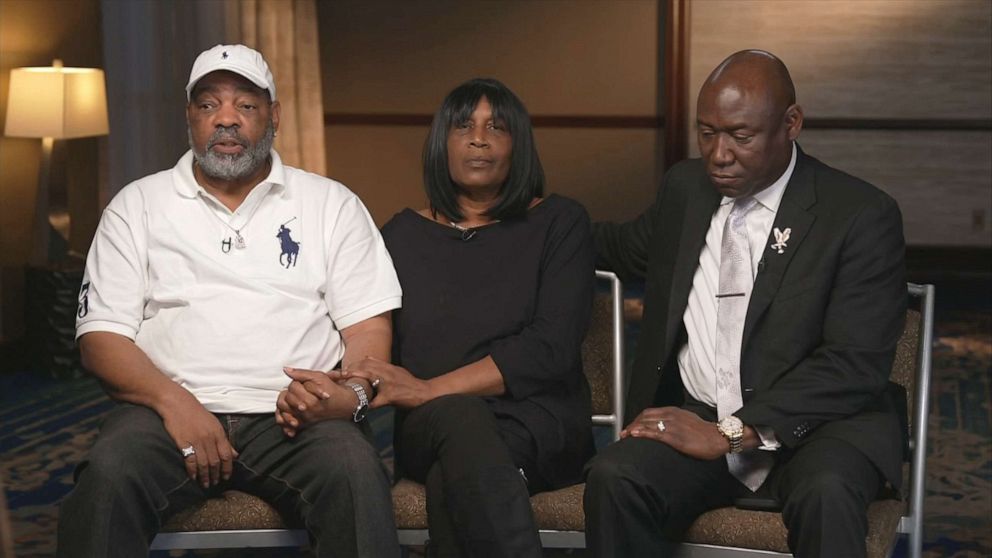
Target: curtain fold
(148, 50)
(285, 32)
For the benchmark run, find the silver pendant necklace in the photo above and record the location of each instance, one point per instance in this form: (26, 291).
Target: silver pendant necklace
(239, 240)
(469, 232)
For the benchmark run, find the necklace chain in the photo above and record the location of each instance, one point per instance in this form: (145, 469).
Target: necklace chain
(464, 228)
(468, 232)
(239, 240)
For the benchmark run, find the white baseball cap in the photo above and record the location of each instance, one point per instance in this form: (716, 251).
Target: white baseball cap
(239, 59)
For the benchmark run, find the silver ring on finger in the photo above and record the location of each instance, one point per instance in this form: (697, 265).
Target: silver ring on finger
(661, 426)
(188, 451)
(376, 382)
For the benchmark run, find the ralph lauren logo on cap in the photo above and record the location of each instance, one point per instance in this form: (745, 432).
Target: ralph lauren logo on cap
(224, 55)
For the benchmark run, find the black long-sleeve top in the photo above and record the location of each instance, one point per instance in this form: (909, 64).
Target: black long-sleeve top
(518, 290)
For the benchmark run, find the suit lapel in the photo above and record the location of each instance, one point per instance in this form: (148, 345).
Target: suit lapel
(793, 214)
(699, 208)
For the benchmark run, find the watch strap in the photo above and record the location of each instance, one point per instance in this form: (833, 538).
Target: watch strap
(736, 443)
(363, 402)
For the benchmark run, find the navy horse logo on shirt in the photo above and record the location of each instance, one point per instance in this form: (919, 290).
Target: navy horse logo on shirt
(290, 247)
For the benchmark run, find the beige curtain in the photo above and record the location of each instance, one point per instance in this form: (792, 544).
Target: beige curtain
(285, 32)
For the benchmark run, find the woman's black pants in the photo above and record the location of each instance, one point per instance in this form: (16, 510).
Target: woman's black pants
(479, 470)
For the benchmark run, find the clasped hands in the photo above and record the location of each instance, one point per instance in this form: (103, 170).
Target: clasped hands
(314, 396)
(310, 397)
(684, 431)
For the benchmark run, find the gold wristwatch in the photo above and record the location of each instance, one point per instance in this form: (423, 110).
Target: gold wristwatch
(732, 429)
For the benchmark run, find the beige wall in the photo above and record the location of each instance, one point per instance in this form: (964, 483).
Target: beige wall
(584, 58)
(879, 59)
(903, 59)
(862, 59)
(32, 33)
(942, 180)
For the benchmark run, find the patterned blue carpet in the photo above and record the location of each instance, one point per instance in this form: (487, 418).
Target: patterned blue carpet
(47, 425)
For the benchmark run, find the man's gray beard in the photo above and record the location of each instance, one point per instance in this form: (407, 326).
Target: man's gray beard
(234, 166)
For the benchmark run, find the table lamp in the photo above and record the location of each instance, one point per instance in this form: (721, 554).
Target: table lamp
(54, 103)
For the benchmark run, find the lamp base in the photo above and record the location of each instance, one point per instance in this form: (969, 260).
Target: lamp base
(51, 217)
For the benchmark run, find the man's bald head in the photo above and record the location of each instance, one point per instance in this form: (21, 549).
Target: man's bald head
(760, 73)
(747, 119)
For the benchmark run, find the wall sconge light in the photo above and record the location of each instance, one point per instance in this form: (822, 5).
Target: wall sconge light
(54, 103)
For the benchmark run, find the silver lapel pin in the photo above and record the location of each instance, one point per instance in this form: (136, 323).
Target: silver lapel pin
(781, 237)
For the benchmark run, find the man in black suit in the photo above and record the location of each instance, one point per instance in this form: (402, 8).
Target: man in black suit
(774, 299)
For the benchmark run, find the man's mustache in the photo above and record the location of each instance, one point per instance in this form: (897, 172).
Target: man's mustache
(226, 135)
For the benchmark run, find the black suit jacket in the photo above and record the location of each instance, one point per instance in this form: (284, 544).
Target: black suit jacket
(823, 319)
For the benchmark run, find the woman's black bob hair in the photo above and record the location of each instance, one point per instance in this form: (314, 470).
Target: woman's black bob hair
(526, 178)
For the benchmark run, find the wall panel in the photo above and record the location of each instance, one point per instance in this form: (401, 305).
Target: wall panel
(392, 63)
(612, 172)
(379, 163)
(941, 179)
(860, 58)
(875, 63)
(575, 57)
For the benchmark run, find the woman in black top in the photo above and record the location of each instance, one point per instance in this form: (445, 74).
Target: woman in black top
(497, 289)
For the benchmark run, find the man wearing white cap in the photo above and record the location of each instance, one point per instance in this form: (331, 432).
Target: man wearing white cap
(209, 287)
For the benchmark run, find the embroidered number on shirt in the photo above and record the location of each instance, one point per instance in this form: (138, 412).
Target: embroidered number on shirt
(84, 300)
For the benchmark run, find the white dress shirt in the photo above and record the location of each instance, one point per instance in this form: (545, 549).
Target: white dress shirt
(697, 359)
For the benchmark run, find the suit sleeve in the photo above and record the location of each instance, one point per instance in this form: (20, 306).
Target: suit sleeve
(543, 355)
(624, 248)
(862, 321)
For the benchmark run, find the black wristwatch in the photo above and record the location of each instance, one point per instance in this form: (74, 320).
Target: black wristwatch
(363, 403)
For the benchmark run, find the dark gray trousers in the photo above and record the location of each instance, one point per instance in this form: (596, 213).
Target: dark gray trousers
(642, 495)
(478, 503)
(328, 479)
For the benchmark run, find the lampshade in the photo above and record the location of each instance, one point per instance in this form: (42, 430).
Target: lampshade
(56, 102)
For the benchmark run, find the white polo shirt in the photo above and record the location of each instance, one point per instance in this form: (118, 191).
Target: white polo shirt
(165, 270)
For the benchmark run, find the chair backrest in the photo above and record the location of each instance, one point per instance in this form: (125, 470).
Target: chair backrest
(905, 364)
(602, 355)
(912, 370)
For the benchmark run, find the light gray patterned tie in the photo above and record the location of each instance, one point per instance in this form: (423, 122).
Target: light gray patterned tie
(750, 467)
